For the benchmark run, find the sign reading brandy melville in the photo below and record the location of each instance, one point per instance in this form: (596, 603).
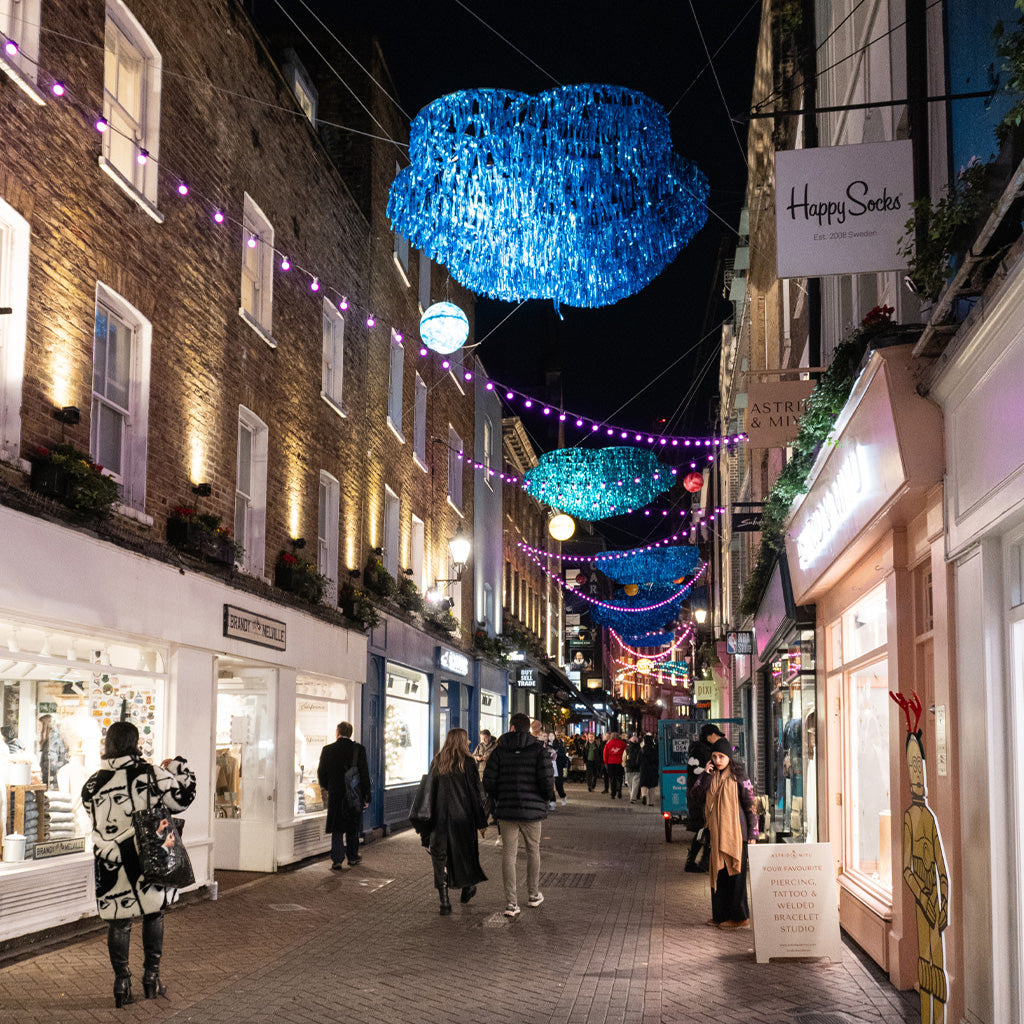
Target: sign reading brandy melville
(774, 410)
(841, 209)
(254, 629)
(795, 901)
(453, 661)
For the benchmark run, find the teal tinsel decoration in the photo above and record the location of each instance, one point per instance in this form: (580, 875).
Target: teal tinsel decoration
(656, 565)
(594, 483)
(574, 194)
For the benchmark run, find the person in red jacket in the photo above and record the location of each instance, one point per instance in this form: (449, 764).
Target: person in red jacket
(614, 751)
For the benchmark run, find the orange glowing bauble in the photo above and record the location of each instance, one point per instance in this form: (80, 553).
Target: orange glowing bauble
(631, 589)
(693, 481)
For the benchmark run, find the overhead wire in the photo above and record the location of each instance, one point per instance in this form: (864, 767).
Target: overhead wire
(718, 83)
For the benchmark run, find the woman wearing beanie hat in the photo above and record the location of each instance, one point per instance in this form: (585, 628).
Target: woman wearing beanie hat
(728, 803)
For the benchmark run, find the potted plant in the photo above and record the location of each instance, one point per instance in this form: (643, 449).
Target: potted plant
(408, 595)
(201, 534)
(357, 606)
(377, 580)
(441, 618)
(489, 646)
(300, 577)
(938, 235)
(69, 476)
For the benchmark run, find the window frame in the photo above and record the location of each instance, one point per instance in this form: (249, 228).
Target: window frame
(23, 67)
(333, 362)
(253, 535)
(328, 520)
(400, 250)
(419, 429)
(455, 467)
(425, 271)
(131, 478)
(255, 223)
(140, 181)
(15, 245)
(396, 383)
(391, 535)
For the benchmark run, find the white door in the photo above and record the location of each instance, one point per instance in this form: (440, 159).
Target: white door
(245, 810)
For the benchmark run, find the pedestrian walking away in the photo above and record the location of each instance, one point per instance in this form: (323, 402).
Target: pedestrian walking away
(125, 783)
(727, 800)
(348, 794)
(631, 764)
(519, 780)
(648, 768)
(614, 752)
(456, 815)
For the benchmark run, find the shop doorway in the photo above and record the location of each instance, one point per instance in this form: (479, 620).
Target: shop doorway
(245, 811)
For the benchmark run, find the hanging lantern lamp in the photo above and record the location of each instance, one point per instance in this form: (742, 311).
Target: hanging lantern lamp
(693, 482)
(562, 527)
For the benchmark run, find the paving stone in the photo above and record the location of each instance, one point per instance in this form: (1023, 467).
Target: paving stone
(620, 939)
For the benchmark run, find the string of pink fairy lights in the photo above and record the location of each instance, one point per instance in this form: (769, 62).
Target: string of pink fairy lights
(681, 640)
(184, 187)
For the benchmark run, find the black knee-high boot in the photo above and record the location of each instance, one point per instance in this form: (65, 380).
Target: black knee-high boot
(152, 947)
(119, 937)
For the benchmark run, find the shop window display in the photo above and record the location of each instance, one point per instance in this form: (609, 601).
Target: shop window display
(406, 726)
(490, 713)
(58, 695)
(319, 707)
(244, 785)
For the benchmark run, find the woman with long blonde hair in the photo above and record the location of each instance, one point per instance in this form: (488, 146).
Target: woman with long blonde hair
(457, 813)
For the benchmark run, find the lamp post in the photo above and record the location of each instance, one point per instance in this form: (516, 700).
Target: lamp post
(459, 547)
(699, 617)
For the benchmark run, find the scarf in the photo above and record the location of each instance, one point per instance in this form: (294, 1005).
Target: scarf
(722, 812)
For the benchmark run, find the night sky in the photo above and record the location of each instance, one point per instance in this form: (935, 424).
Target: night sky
(606, 356)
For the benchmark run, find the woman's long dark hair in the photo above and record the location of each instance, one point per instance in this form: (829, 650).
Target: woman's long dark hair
(122, 740)
(452, 756)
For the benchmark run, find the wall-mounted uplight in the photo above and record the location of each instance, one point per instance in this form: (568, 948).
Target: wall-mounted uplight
(69, 415)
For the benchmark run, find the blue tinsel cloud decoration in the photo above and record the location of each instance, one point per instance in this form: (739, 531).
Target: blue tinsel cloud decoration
(574, 194)
(619, 617)
(658, 564)
(594, 483)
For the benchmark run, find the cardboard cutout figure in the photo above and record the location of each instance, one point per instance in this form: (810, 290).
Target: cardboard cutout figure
(924, 871)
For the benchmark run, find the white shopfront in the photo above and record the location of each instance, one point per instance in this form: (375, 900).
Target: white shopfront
(980, 386)
(90, 630)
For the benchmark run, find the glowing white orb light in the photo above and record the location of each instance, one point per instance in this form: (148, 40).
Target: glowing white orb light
(444, 327)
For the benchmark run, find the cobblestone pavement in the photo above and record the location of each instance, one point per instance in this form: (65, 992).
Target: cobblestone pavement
(620, 939)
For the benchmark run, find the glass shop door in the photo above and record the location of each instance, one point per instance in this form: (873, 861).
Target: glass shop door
(245, 809)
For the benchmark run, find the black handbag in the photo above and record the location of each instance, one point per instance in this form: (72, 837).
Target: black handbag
(162, 854)
(421, 814)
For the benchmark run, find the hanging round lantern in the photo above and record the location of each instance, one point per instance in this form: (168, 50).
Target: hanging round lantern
(562, 527)
(631, 589)
(444, 328)
(645, 665)
(693, 481)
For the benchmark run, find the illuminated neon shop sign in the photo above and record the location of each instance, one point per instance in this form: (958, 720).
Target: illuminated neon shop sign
(834, 508)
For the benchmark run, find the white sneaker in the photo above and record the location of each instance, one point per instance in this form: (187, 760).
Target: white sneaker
(565, 800)
(552, 805)
(512, 910)
(534, 901)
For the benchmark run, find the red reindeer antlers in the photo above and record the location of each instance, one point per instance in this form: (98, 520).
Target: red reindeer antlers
(908, 705)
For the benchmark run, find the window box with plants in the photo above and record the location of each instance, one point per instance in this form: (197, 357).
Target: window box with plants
(70, 477)
(299, 577)
(201, 534)
(356, 606)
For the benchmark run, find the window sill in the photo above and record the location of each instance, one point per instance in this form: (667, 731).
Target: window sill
(419, 462)
(394, 430)
(451, 504)
(334, 405)
(29, 88)
(248, 318)
(872, 896)
(133, 513)
(130, 190)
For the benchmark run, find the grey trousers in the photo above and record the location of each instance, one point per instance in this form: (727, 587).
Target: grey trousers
(510, 832)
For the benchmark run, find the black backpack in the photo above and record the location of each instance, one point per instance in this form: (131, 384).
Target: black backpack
(352, 787)
(633, 757)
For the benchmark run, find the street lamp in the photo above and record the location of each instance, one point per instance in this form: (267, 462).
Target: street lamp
(459, 548)
(699, 617)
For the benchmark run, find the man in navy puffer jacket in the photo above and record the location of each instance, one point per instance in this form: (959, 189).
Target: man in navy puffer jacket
(519, 780)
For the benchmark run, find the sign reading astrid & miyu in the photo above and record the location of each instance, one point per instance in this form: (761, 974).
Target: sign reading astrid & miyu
(842, 209)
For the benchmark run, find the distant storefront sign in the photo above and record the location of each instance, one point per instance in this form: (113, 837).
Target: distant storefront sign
(454, 662)
(739, 643)
(526, 679)
(747, 516)
(774, 409)
(842, 209)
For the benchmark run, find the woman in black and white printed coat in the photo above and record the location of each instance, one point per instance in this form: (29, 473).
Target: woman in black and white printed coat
(110, 796)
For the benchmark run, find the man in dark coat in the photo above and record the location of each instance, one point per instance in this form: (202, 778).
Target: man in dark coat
(343, 823)
(519, 779)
